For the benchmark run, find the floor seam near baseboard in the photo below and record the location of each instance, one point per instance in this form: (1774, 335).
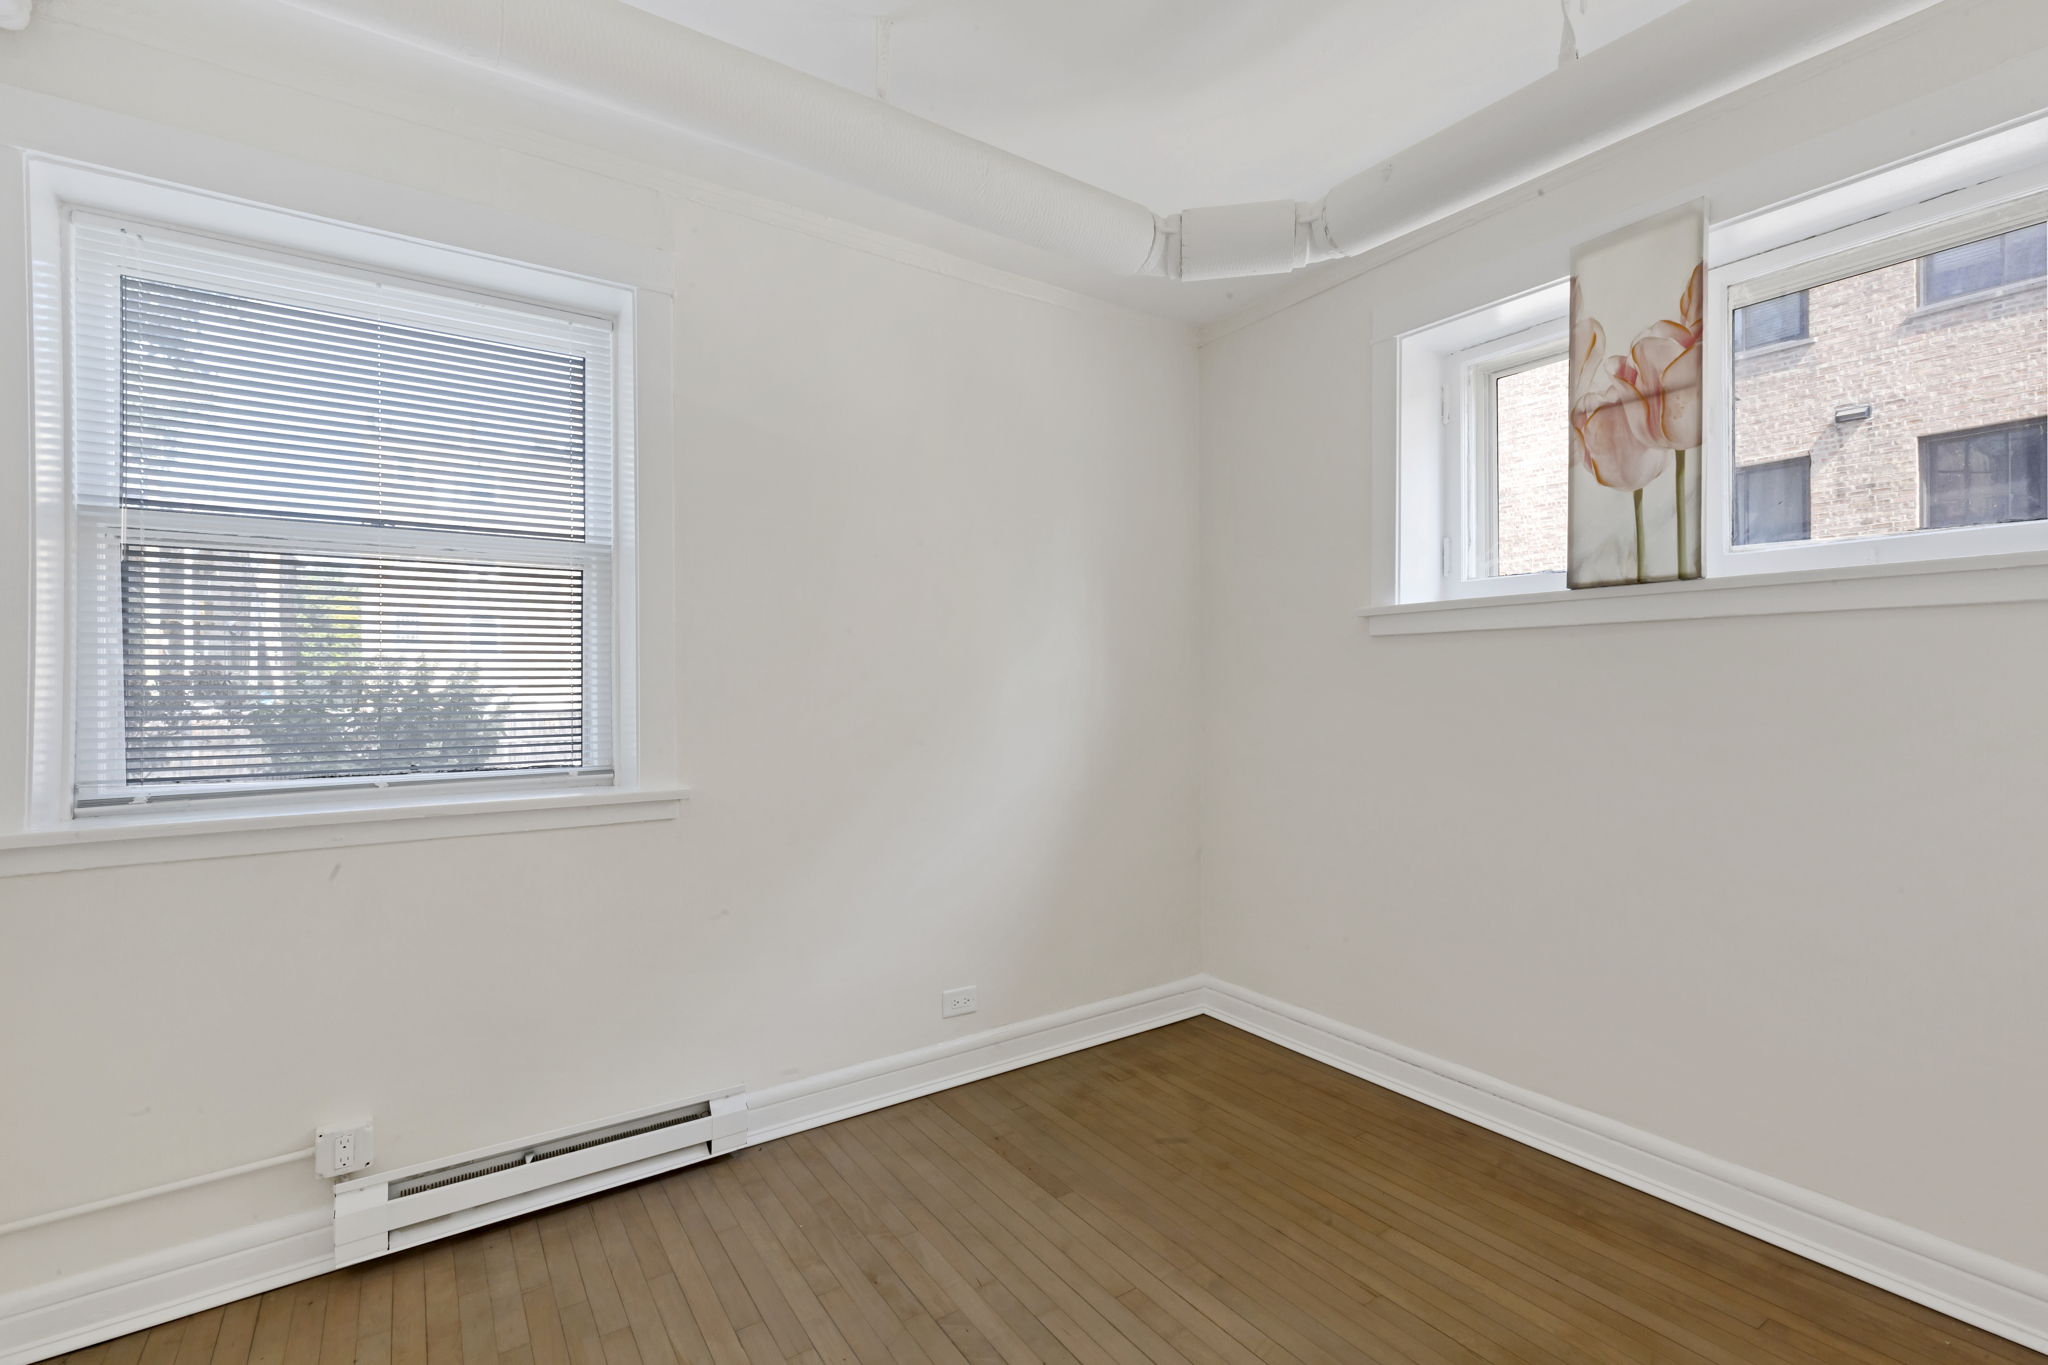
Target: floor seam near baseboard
(2006, 1299)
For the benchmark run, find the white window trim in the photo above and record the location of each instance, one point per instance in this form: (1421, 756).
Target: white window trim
(1904, 234)
(1765, 253)
(1446, 426)
(38, 831)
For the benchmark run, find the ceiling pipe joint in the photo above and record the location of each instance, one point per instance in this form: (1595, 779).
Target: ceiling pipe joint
(616, 55)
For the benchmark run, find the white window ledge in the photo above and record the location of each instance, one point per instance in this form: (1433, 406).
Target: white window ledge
(115, 841)
(1955, 582)
(1771, 348)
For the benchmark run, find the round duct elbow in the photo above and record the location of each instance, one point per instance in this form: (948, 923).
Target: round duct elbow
(615, 54)
(1234, 240)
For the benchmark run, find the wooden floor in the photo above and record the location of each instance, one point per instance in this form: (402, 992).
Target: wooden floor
(1190, 1194)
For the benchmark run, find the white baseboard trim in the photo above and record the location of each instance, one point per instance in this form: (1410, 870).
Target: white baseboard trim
(1996, 1295)
(81, 1310)
(2000, 1297)
(784, 1109)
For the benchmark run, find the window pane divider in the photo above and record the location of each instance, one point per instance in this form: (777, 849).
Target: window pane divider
(292, 535)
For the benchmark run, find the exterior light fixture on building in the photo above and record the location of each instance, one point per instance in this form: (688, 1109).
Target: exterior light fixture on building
(1853, 412)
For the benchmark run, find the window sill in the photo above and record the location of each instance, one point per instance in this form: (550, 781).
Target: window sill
(1771, 348)
(1993, 295)
(112, 841)
(1954, 582)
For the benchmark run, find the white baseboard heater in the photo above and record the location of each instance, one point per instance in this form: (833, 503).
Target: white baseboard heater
(393, 1210)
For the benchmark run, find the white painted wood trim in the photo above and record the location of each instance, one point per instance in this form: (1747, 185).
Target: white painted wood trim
(1934, 583)
(784, 1109)
(106, 842)
(1996, 1295)
(80, 1310)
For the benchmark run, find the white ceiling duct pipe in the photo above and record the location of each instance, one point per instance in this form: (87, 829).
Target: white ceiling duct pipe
(1684, 60)
(1240, 239)
(612, 53)
(617, 55)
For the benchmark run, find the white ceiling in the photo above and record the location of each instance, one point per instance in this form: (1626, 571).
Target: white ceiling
(1178, 103)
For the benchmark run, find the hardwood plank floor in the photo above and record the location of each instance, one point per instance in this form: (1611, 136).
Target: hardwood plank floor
(1191, 1194)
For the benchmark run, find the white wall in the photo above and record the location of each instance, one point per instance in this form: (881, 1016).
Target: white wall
(1767, 887)
(1764, 887)
(935, 564)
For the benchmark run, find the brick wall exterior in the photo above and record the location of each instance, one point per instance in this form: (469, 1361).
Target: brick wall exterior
(1964, 363)
(1531, 408)
(1971, 362)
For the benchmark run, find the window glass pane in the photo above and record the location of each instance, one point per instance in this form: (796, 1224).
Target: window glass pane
(1771, 322)
(1862, 406)
(1772, 502)
(1987, 264)
(241, 664)
(240, 405)
(1532, 426)
(2026, 254)
(335, 528)
(1982, 478)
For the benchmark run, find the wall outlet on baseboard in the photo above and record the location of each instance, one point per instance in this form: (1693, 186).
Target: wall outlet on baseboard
(342, 1151)
(958, 1000)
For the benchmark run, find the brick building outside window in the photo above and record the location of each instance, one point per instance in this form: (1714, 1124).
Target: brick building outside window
(1916, 399)
(1905, 398)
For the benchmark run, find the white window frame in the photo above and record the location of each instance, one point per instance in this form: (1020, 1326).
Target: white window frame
(1411, 594)
(47, 834)
(1809, 261)
(1448, 462)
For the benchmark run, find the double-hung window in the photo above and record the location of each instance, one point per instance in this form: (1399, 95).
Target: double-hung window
(334, 531)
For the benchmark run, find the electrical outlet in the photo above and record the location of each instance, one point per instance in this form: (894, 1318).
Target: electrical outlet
(344, 1151)
(959, 1000)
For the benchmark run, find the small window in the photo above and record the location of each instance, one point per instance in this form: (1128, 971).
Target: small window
(1991, 263)
(1774, 502)
(1484, 470)
(338, 531)
(1891, 423)
(1985, 477)
(1530, 459)
(1772, 322)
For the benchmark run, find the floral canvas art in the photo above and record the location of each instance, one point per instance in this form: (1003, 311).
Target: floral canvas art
(1638, 300)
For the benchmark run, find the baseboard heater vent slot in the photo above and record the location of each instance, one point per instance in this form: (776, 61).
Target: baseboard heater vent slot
(393, 1210)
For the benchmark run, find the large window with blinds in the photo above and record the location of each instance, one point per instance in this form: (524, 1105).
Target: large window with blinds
(334, 530)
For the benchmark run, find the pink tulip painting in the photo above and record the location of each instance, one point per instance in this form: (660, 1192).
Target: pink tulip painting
(1635, 413)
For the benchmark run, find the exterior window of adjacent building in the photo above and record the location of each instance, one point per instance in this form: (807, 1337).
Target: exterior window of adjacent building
(1771, 322)
(336, 530)
(1990, 263)
(1773, 502)
(1985, 477)
(1894, 418)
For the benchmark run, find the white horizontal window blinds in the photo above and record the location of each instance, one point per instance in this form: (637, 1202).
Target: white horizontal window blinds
(335, 529)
